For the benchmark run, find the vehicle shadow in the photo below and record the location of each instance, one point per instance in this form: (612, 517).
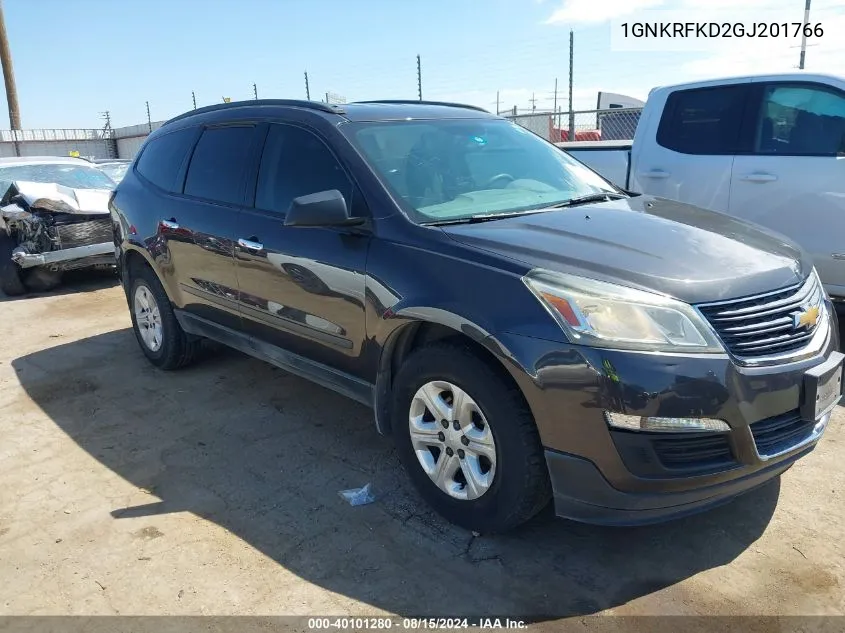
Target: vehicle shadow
(264, 454)
(74, 282)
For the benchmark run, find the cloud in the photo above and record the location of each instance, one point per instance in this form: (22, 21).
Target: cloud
(754, 56)
(597, 11)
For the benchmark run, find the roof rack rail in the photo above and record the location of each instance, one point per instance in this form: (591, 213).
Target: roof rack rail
(419, 101)
(298, 103)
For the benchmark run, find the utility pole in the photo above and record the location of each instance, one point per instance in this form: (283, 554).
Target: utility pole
(307, 88)
(9, 75)
(555, 121)
(255, 91)
(9, 79)
(497, 103)
(149, 118)
(533, 103)
(803, 35)
(194, 99)
(571, 65)
(419, 78)
(108, 134)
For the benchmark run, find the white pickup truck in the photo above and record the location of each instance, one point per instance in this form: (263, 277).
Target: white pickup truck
(768, 148)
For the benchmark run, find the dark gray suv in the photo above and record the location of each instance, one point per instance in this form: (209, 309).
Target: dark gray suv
(523, 329)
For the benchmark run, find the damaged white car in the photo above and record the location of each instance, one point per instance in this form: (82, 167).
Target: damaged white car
(54, 217)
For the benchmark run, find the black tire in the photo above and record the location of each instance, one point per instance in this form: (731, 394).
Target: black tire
(177, 349)
(41, 279)
(520, 487)
(11, 282)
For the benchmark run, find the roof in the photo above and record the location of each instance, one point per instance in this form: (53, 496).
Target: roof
(42, 160)
(361, 111)
(401, 110)
(783, 76)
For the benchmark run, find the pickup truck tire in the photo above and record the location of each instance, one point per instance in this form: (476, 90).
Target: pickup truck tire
(11, 282)
(149, 307)
(494, 420)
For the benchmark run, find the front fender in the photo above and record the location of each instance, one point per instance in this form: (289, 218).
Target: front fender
(398, 328)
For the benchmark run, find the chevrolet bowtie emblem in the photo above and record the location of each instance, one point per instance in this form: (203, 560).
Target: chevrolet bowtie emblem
(806, 319)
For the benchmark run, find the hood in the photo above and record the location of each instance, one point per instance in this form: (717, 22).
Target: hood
(39, 196)
(650, 243)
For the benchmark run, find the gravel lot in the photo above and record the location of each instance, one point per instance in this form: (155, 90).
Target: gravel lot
(214, 490)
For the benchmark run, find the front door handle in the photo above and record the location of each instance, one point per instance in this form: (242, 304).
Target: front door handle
(171, 224)
(250, 245)
(655, 173)
(758, 177)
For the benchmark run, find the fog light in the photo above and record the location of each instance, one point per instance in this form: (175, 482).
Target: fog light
(641, 423)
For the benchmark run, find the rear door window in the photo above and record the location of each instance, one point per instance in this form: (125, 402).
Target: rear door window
(800, 120)
(163, 157)
(703, 120)
(219, 164)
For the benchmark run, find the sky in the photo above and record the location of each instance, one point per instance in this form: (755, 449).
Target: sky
(74, 59)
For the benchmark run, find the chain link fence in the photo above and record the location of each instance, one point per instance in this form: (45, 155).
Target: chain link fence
(585, 125)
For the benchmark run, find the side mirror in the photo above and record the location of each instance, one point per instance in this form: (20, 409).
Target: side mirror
(325, 208)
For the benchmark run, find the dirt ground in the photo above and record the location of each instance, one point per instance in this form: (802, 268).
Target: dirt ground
(214, 490)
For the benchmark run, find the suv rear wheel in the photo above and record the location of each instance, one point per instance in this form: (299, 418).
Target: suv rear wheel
(159, 334)
(468, 440)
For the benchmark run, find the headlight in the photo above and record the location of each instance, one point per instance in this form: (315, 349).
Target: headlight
(602, 314)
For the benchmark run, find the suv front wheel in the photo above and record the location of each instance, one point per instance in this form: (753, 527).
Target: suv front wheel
(468, 440)
(159, 334)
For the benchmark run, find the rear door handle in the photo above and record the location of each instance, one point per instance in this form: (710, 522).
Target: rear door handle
(655, 173)
(250, 245)
(171, 224)
(758, 177)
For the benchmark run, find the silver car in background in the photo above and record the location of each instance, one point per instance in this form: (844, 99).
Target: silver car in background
(114, 168)
(54, 217)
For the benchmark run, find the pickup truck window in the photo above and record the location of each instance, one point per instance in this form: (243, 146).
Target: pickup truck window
(448, 169)
(800, 120)
(703, 120)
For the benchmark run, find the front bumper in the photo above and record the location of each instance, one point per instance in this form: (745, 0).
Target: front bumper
(610, 476)
(60, 257)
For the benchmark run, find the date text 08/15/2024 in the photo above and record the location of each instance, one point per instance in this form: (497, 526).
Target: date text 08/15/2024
(383, 623)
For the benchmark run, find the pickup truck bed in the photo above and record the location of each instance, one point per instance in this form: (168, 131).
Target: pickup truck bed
(611, 159)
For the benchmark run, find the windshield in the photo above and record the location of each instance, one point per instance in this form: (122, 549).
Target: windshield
(115, 171)
(448, 169)
(69, 175)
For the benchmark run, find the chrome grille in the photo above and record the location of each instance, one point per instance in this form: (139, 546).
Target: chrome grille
(768, 323)
(85, 233)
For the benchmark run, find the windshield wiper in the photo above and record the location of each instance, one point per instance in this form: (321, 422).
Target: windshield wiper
(591, 197)
(487, 217)
(482, 217)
